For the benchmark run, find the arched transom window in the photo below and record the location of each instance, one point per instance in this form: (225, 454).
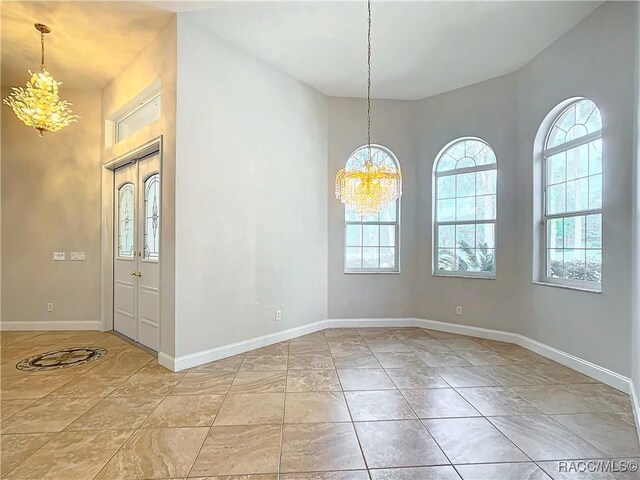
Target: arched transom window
(465, 192)
(572, 179)
(372, 241)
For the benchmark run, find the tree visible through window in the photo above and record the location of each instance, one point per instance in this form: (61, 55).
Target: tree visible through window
(465, 192)
(573, 195)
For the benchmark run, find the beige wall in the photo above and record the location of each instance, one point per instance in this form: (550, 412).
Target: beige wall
(158, 61)
(51, 202)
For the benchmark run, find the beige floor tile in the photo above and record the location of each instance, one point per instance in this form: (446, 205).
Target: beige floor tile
(271, 476)
(154, 368)
(612, 433)
(365, 379)
(419, 377)
(310, 338)
(348, 475)
(439, 403)
(426, 345)
(71, 456)
(239, 450)
(304, 348)
(313, 381)
(442, 359)
(439, 334)
(618, 469)
(341, 333)
(399, 360)
(47, 415)
(11, 338)
(17, 447)
(358, 359)
(126, 362)
(385, 346)
(485, 356)
(264, 363)
(155, 453)
(411, 333)
(11, 407)
(90, 385)
(417, 473)
(32, 385)
(311, 361)
(281, 348)
(142, 385)
(259, 382)
(185, 411)
(229, 364)
(316, 407)
(507, 471)
(401, 443)
(378, 405)
(251, 409)
(320, 447)
(116, 413)
(461, 344)
(349, 346)
(375, 332)
(204, 384)
(587, 398)
(514, 375)
(466, 377)
(553, 372)
(473, 440)
(497, 401)
(542, 438)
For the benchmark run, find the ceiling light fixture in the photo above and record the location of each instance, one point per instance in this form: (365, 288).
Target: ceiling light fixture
(371, 185)
(38, 104)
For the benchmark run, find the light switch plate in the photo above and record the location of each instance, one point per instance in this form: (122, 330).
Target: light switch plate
(76, 256)
(58, 256)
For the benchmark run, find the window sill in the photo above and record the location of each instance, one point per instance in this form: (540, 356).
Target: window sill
(364, 272)
(568, 287)
(472, 277)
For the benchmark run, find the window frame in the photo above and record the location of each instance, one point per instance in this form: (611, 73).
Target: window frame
(396, 223)
(437, 224)
(117, 137)
(543, 277)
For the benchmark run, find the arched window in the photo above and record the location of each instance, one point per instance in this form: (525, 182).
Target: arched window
(465, 191)
(126, 220)
(572, 196)
(152, 217)
(372, 241)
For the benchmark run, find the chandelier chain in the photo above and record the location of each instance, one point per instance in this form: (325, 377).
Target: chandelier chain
(42, 49)
(369, 75)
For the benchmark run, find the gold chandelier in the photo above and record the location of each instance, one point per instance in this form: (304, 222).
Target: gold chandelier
(370, 185)
(38, 104)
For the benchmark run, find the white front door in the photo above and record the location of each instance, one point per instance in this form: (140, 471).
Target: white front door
(136, 287)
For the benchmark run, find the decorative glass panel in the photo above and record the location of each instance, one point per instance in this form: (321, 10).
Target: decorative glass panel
(152, 217)
(126, 220)
(466, 208)
(371, 240)
(138, 118)
(574, 195)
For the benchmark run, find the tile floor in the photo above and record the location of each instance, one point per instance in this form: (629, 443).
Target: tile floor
(341, 404)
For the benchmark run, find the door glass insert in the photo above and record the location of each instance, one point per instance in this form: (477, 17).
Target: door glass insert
(152, 217)
(126, 223)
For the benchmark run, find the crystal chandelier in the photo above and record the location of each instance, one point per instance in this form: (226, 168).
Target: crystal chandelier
(38, 104)
(371, 185)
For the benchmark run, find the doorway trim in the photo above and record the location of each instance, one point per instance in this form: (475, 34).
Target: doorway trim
(107, 243)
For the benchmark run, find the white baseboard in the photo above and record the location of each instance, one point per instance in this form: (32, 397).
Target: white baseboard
(206, 356)
(53, 325)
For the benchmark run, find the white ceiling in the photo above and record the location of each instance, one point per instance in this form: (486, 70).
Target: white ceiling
(420, 48)
(89, 44)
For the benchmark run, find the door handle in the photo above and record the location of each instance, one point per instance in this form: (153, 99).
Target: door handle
(136, 274)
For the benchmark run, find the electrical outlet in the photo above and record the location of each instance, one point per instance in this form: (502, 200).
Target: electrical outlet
(58, 256)
(49, 307)
(278, 315)
(458, 310)
(76, 256)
